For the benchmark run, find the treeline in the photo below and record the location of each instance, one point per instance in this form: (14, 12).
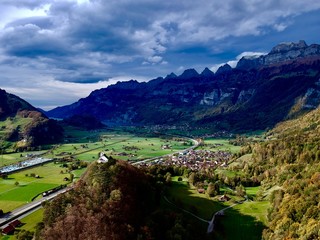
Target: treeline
(291, 164)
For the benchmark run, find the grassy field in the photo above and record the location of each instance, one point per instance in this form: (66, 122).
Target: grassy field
(243, 221)
(14, 195)
(238, 223)
(119, 145)
(216, 144)
(189, 199)
(19, 189)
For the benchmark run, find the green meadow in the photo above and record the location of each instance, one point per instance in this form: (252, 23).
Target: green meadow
(188, 198)
(219, 144)
(20, 187)
(243, 221)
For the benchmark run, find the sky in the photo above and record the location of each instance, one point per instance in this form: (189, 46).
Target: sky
(53, 52)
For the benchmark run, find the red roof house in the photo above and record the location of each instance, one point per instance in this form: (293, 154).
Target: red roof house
(8, 230)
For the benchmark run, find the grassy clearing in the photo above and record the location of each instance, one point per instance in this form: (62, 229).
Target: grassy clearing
(252, 191)
(216, 144)
(243, 221)
(30, 221)
(256, 209)
(228, 173)
(189, 199)
(238, 224)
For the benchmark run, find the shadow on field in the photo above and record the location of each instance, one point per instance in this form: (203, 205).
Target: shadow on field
(232, 225)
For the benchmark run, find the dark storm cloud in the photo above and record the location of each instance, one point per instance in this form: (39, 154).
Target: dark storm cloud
(91, 41)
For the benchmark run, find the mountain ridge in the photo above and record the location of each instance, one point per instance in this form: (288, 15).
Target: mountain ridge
(260, 95)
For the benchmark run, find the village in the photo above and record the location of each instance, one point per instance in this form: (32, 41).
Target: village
(194, 159)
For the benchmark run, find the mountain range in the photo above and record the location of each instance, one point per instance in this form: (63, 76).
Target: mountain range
(258, 93)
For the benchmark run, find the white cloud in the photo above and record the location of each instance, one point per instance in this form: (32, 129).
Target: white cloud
(233, 63)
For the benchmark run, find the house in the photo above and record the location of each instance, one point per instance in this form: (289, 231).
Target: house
(224, 198)
(166, 146)
(201, 190)
(8, 230)
(102, 158)
(15, 223)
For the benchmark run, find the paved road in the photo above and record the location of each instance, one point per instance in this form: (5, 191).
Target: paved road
(31, 207)
(211, 223)
(28, 208)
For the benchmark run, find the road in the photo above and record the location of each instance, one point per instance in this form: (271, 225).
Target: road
(28, 208)
(31, 207)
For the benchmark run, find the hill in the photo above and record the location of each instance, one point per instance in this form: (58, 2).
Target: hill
(290, 163)
(257, 94)
(23, 126)
(115, 200)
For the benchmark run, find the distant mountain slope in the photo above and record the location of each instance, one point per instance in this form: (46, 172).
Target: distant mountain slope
(11, 104)
(258, 93)
(23, 125)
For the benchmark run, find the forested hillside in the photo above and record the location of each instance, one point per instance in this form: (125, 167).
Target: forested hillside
(118, 201)
(22, 126)
(290, 163)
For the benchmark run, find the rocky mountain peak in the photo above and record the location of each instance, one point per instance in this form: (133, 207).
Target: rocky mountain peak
(282, 52)
(289, 46)
(171, 75)
(224, 68)
(132, 84)
(207, 73)
(189, 73)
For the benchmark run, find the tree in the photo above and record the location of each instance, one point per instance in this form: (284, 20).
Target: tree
(210, 190)
(168, 178)
(213, 189)
(240, 191)
(24, 235)
(16, 183)
(71, 177)
(192, 178)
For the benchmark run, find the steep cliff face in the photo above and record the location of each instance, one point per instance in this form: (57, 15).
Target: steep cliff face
(280, 53)
(254, 96)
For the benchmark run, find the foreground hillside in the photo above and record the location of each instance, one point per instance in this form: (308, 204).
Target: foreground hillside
(23, 126)
(258, 93)
(115, 200)
(290, 163)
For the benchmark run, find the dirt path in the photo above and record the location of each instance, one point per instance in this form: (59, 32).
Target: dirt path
(211, 223)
